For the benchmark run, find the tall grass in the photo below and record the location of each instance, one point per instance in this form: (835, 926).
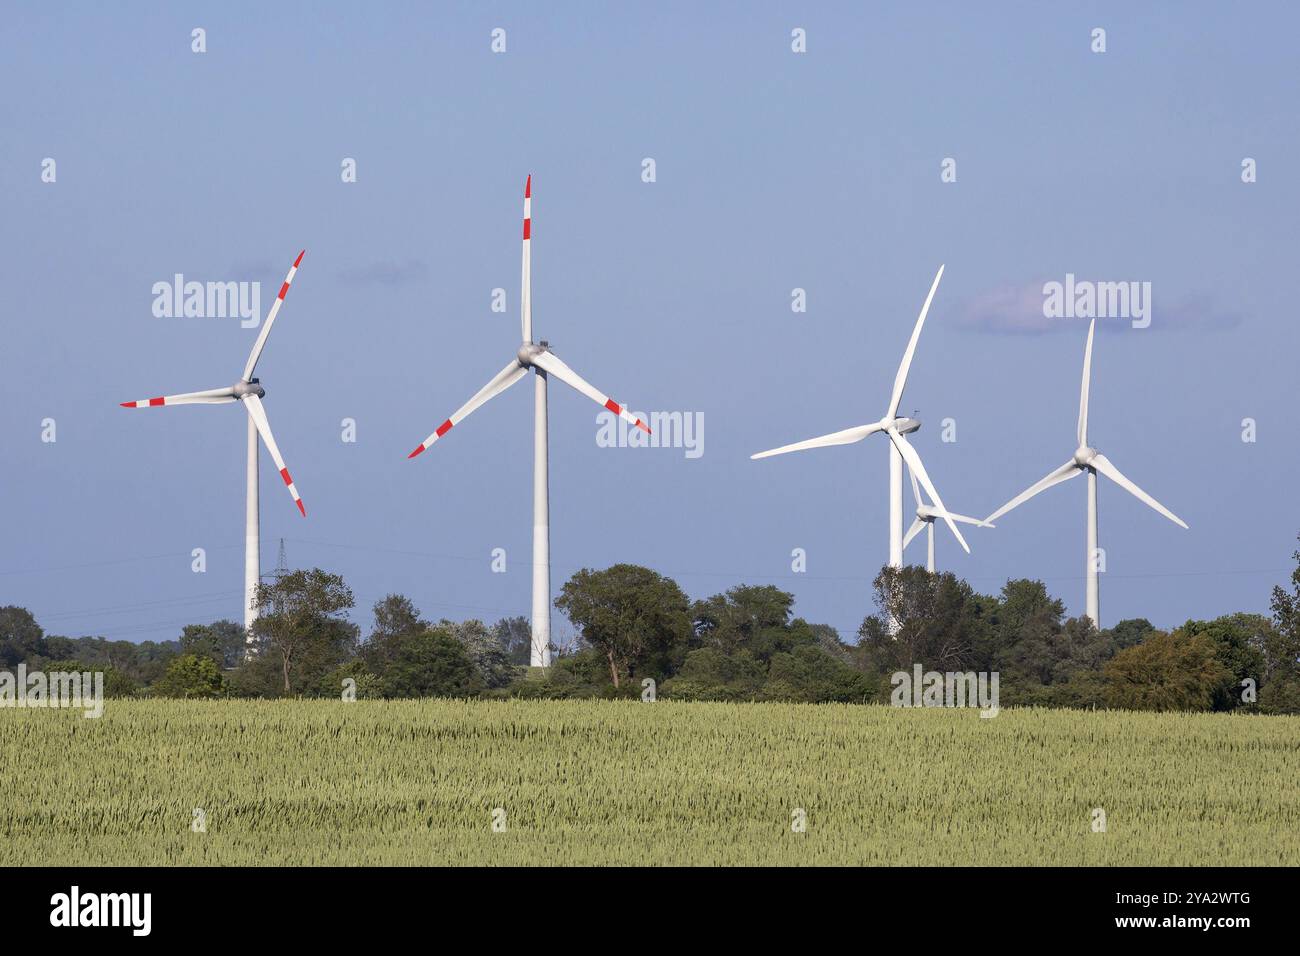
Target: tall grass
(416, 782)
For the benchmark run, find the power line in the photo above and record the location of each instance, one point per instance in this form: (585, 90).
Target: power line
(797, 576)
(123, 608)
(281, 566)
(108, 562)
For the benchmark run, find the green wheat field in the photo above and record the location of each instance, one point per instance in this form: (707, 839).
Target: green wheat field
(625, 782)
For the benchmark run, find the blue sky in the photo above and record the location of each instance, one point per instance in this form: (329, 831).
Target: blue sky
(774, 171)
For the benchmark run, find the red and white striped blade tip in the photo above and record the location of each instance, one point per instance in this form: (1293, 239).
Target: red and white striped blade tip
(622, 412)
(297, 262)
(528, 187)
(293, 490)
(146, 403)
(424, 445)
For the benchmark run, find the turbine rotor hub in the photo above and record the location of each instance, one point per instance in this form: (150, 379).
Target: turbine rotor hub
(528, 351)
(254, 387)
(1083, 455)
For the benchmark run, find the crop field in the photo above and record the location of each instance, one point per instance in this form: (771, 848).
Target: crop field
(547, 782)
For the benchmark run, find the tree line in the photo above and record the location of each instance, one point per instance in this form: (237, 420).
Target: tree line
(637, 626)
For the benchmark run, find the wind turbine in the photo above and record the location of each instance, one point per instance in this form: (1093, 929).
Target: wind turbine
(899, 448)
(925, 517)
(1090, 461)
(538, 357)
(249, 391)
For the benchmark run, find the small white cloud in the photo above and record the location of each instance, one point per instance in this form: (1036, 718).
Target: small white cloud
(1018, 310)
(386, 272)
(1010, 309)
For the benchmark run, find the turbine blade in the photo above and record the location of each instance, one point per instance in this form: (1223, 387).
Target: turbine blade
(967, 519)
(526, 276)
(550, 363)
(900, 380)
(1083, 389)
(914, 462)
(846, 437)
(260, 344)
(213, 396)
(1064, 473)
(258, 414)
(1103, 465)
(916, 491)
(963, 519)
(917, 527)
(500, 382)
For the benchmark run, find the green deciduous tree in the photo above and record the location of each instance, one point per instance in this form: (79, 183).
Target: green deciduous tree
(753, 617)
(810, 675)
(395, 617)
(429, 664)
(1176, 671)
(152, 658)
(709, 674)
(1286, 609)
(940, 623)
(1132, 631)
(1280, 647)
(306, 636)
(515, 635)
(483, 649)
(1045, 657)
(223, 641)
(190, 675)
(117, 683)
(21, 638)
(1281, 695)
(1237, 640)
(638, 619)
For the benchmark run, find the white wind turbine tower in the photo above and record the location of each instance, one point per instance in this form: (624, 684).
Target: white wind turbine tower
(538, 357)
(899, 448)
(925, 518)
(249, 391)
(1091, 461)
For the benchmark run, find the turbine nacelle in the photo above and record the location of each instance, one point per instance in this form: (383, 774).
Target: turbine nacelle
(904, 426)
(529, 351)
(242, 388)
